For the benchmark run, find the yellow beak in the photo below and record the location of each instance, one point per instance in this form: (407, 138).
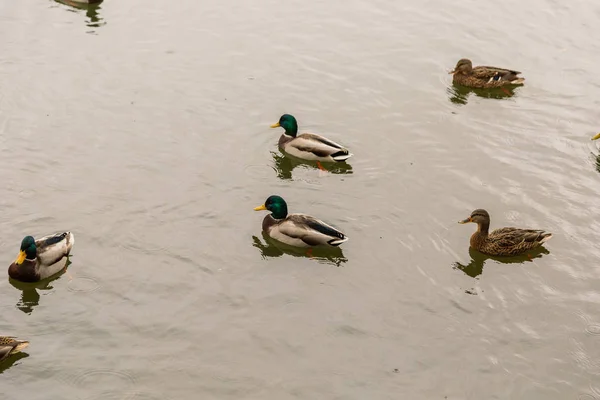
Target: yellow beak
(21, 257)
(465, 221)
(275, 125)
(596, 137)
(260, 208)
(451, 72)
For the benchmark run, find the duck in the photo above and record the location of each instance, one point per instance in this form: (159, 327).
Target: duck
(40, 259)
(483, 77)
(308, 146)
(503, 241)
(298, 230)
(10, 345)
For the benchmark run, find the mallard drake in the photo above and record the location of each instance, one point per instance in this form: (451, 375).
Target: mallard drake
(42, 258)
(10, 345)
(503, 241)
(308, 146)
(297, 230)
(483, 77)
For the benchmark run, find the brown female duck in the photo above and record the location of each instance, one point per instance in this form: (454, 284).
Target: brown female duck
(503, 241)
(10, 345)
(483, 77)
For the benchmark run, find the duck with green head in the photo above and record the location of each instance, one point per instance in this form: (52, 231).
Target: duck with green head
(482, 77)
(10, 345)
(308, 146)
(503, 241)
(299, 230)
(42, 258)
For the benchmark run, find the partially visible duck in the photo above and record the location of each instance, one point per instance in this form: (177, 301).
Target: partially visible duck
(10, 345)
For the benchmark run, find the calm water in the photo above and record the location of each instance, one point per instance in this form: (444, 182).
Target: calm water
(142, 126)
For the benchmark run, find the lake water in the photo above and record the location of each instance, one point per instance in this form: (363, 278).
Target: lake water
(143, 127)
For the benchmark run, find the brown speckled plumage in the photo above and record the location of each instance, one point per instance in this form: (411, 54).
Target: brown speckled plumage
(504, 241)
(483, 77)
(9, 346)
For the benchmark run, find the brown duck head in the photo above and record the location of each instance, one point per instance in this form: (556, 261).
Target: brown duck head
(463, 66)
(479, 217)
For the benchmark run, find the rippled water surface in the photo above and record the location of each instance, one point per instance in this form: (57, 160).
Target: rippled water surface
(142, 127)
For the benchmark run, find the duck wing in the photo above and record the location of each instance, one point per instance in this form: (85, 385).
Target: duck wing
(318, 145)
(311, 231)
(515, 237)
(10, 345)
(487, 73)
(52, 248)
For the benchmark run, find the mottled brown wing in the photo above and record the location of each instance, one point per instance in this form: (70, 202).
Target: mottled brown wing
(487, 73)
(8, 344)
(510, 237)
(7, 341)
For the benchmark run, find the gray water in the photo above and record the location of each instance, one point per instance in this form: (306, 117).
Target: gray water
(142, 127)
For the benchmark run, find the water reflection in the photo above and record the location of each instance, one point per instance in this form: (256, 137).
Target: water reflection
(475, 267)
(459, 94)
(91, 11)
(10, 361)
(30, 296)
(272, 248)
(597, 160)
(285, 164)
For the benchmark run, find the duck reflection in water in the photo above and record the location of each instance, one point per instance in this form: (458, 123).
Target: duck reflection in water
(597, 161)
(272, 248)
(459, 94)
(596, 156)
(475, 267)
(30, 297)
(12, 360)
(91, 8)
(285, 164)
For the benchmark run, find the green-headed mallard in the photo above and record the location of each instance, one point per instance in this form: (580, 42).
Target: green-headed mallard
(596, 137)
(42, 258)
(503, 241)
(483, 77)
(298, 230)
(10, 345)
(308, 146)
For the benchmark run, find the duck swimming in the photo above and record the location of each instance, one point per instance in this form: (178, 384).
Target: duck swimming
(297, 230)
(10, 345)
(503, 241)
(42, 258)
(308, 146)
(482, 77)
